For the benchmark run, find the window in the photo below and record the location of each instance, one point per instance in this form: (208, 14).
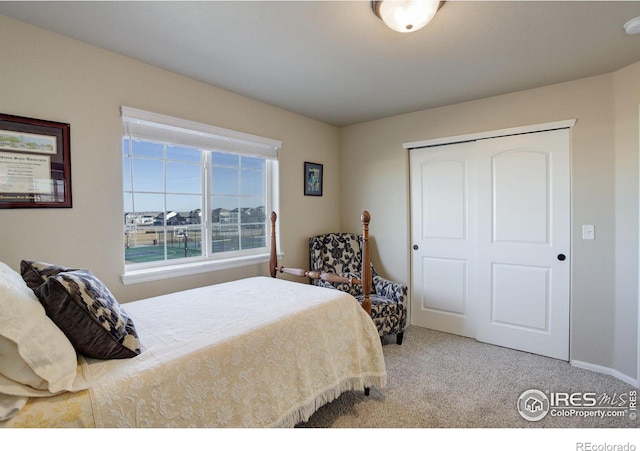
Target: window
(196, 197)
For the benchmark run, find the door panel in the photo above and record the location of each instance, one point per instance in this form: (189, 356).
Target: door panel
(441, 264)
(520, 183)
(444, 203)
(529, 309)
(444, 280)
(523, 224)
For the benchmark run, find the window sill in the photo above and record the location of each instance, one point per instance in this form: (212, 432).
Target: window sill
(131, 277)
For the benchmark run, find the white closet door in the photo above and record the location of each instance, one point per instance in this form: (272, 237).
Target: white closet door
(443, 231)
(524, 242)
(491, 238)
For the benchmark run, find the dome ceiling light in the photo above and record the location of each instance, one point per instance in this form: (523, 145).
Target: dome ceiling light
(406, 16)
(633, 26)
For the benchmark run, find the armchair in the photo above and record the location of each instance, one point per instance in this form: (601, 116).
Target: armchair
(341, 253)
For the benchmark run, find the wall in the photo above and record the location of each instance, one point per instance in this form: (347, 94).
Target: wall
(627, 102)
(47, 76)
(375, 171)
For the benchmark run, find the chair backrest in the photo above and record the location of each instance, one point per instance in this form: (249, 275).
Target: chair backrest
(338, 253)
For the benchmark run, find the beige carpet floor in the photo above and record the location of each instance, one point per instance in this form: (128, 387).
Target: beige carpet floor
(438, 380)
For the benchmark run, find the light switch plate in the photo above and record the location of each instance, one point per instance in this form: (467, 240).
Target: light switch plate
(588, 232)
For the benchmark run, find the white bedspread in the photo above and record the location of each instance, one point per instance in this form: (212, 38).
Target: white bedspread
(258, 352)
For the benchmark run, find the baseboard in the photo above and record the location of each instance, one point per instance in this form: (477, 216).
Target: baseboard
(609, 371)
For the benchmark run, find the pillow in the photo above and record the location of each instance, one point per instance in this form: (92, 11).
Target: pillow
(13, 367)
(34, 354)
(36, 273)
(11, 405)
(86, 311)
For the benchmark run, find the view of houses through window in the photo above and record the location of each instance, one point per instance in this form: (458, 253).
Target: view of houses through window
(187, 203)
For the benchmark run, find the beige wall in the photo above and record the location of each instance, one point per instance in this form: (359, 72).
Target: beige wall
(47, 76)
(375, 172)
(627, 103)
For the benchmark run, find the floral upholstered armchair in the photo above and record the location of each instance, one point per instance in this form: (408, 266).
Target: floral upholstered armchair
(341, 253)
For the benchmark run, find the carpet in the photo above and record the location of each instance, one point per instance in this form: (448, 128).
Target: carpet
(439, 380)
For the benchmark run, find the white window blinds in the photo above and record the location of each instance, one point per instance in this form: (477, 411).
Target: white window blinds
(139, 124)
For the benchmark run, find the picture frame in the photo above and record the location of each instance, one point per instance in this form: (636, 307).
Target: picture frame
(312, 179)
(35, 163)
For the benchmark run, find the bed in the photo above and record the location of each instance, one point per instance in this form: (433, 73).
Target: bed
(257, 352)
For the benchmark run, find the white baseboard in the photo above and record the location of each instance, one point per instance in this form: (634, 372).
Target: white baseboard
(609, 371)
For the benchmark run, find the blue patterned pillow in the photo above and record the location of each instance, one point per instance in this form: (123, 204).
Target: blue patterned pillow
(88, 314)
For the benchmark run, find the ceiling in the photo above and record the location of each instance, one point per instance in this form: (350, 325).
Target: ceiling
(335, 61)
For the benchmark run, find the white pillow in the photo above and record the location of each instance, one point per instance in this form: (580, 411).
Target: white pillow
(35, 356)
(14, 368)
(10, 406)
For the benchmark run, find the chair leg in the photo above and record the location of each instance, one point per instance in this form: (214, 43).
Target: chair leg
(366, 391)
(399, 338)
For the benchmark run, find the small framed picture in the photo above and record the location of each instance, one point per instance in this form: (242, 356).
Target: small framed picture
(312, 179)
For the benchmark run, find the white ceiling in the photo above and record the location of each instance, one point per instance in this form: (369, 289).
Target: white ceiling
(337, 62)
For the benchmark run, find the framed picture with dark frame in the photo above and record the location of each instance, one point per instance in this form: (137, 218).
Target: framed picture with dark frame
(35, 163)
(312, 179)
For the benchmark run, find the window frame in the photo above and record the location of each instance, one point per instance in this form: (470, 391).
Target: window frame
(144, 125)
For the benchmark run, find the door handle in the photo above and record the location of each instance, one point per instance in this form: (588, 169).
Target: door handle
(415, 247)
(562, 257)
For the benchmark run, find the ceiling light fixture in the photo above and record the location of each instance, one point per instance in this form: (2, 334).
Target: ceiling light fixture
(406, 16)
(633, 26)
